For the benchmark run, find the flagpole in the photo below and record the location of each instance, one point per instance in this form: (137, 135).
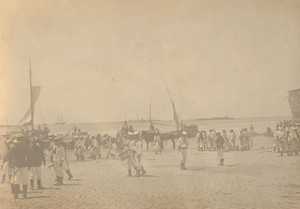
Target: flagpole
(31, 102)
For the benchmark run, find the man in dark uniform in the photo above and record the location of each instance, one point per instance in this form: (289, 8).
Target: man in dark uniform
(36, 158)
(18, 159)
(220, 145)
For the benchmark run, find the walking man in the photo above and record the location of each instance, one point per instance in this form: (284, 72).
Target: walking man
(138, 148)
(59, 158)
(220, 145)
(18, 159)
(183, 144)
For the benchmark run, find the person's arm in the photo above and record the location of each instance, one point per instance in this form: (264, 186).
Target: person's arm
(43, 156)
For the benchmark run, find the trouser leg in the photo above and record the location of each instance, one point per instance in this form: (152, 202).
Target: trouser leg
(69, 174)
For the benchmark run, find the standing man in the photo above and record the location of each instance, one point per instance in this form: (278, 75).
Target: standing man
(232, 139)
(18, 159)
(220, 145)
(59, 158)
(7, 171)
(129, 145)
(183, 144)
(225, 137)
(200, 141)
(36, 158)
(157, 141)
(138, 148)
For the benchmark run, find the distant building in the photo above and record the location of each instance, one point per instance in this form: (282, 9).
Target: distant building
(294, 101)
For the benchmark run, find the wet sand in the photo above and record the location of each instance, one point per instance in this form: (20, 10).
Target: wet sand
(258, 178)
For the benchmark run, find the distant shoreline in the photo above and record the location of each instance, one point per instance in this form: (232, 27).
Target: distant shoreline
(216, 118)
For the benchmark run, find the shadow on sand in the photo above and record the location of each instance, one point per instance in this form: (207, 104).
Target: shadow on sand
(52, 188)
(70, 184)
(76, 180)
(207, 168)
(36, 197)
(149, 176)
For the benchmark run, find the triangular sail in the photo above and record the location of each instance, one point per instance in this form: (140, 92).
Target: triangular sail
(35, 95)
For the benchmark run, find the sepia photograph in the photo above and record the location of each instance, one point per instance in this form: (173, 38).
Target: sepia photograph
(149, 104)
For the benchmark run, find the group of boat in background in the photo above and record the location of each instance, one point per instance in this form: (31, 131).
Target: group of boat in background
(27, 122)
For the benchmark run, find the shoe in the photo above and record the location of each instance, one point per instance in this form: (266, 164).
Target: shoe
(69, 174)
(31, 184)
(24, 191)
(16, 191)
(129, 173)
(143, 171)
(39, 183)
(138, 173)
(59, 181)
(221, 161)
(182, 166)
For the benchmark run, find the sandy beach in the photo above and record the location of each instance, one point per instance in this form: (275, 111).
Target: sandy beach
(253, 179)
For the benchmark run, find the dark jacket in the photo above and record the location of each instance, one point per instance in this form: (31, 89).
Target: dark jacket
(18, 155)
(36, 156)
(220, 141)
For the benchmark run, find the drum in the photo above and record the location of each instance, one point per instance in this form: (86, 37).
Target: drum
(125, 154)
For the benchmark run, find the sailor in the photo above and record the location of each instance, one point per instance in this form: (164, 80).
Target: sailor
(183, 143)
(66, 166)
(129, 144)
(220, 146)
(276, 138)
(293, 142)
(18, 160)
(59, 158)
(131, 128)
(283, 140)
(200, 140)
(225, 137)
(157, 142)
(94, 148)
(138, 151)
(205, 140)
(109, 145)
(232, 139)
(151, 128)
(36, 158)
(125, 128)
(251, 129)
(5, 149)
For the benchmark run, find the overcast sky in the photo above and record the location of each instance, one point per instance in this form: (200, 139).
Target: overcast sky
(97, 61)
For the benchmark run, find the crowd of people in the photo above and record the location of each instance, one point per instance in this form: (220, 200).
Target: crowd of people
(207, 141)
(287, 138)
(25, 154)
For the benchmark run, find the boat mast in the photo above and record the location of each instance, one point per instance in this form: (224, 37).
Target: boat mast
(173, 105)
(31, 102)
(150, 111)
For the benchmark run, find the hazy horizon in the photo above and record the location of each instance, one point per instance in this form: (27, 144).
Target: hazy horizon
(99, 60)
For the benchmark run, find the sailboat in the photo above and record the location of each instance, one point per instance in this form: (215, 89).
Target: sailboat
(60, 121)
(28, 118)
(5, 125)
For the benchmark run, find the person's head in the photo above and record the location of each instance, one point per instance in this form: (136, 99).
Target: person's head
(58, 142)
